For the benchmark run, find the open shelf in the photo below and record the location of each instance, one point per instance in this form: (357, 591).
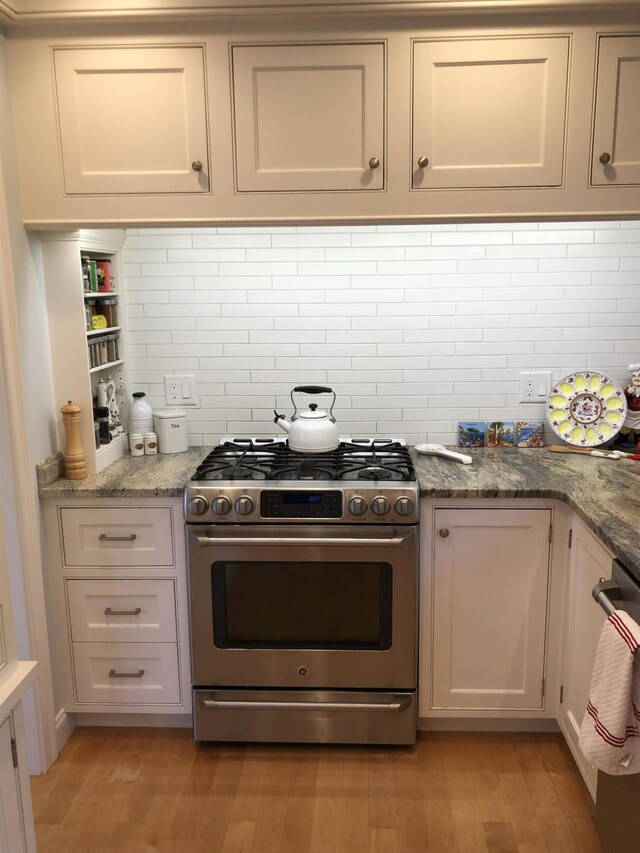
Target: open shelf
(104, 331)
(90, 294)
(106, 366)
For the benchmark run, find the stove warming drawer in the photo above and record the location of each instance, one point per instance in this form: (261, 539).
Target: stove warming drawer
(305, 716)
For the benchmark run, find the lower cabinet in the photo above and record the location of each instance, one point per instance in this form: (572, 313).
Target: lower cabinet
(12, 835)
(120, 605)
(589, 562)
(489, 608)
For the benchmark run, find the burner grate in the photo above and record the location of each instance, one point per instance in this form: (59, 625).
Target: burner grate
(272, 459)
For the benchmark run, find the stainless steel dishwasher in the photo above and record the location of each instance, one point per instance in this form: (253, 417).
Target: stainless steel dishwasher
(618, 797)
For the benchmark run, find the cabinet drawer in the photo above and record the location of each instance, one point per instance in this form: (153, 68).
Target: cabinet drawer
(117, 536)
(124, 611)
(126, 673)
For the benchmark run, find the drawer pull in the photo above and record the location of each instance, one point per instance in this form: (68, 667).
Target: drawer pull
(136, 612)
(104, 538)
(114, 674)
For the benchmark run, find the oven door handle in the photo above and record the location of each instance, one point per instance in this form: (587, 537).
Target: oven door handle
(399, 703)
(403, 538)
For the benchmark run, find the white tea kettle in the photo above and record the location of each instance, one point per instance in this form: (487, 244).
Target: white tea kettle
(312, 430)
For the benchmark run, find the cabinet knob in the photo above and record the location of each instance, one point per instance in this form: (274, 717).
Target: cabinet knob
(374, 163)
(605, 158)
(196, 166)
(443, 532)
(423, 162)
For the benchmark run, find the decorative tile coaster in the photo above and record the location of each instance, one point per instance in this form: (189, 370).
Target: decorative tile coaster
(471, 433)
(530, 433)
(500, 433)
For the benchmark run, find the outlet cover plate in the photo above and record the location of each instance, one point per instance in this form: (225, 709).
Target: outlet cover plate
(535, 386)
(180, 390)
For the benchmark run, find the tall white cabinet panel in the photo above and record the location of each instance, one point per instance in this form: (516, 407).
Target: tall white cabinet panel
(616, 136)
(309, 117)
(491, 573)
(489, 112)
(12, 838)
(132, 120)
(589, 562)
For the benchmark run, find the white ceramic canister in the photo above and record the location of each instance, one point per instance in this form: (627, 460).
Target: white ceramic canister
(172, 431)
(136, 444)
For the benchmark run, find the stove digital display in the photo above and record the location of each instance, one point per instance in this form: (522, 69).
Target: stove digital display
(296, 498)
(301, 504)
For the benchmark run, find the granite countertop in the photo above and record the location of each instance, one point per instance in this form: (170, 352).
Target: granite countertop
(604, 493)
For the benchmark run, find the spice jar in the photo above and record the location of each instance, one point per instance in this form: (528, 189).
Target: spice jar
(102, 416)
(150, 443)
(110, 311)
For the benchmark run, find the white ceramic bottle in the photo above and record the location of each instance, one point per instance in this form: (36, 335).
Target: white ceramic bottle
(140, 415)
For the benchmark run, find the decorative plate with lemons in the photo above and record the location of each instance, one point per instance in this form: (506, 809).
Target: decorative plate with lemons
(586, 408)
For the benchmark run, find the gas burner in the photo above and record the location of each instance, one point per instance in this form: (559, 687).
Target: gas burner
(375, 474)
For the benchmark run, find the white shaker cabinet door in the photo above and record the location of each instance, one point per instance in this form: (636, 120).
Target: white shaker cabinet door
(589, 563)
(309, 117)
(491, 573)
(132, 120)
(489, 113)
(616, 136)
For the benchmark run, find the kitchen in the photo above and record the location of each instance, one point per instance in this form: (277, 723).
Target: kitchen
(402, 319)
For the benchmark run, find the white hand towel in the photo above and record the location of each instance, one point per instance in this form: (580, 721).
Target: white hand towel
(609, 735)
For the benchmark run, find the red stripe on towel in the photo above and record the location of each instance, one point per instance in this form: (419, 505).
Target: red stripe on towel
(605, 734)
(624, 632)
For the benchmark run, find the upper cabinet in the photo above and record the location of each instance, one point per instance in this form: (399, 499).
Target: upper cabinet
(308, 117)
(348, 118)
(132, 120)
(489, 112)
(616, 133)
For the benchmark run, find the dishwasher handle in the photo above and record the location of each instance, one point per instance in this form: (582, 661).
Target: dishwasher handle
(605, 593)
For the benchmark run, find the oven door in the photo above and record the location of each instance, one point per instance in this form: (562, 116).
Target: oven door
(311, 607)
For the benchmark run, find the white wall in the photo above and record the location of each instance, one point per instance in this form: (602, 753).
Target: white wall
(415, 327)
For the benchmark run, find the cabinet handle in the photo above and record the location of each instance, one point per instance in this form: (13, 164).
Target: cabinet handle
(114, 674)
(104, 538)
(605, 158)
(374, 163)
(136, 612)
(196, 166)
(423, 162)
(443, 532)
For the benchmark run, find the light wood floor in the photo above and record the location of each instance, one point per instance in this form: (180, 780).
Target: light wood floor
(143, 790)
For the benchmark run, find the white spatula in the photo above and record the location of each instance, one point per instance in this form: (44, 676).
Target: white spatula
(441, 450)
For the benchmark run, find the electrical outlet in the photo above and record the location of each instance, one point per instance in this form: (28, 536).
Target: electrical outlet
(180, 390)
(535, 386)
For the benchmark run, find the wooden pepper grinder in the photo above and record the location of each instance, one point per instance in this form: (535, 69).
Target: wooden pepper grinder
(75, 466)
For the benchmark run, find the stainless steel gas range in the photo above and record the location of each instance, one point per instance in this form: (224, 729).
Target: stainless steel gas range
(303, 573)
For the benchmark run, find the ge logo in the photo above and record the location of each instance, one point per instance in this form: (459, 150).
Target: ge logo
(303, 671)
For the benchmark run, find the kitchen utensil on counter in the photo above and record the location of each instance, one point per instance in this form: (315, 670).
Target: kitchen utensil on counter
(441, 450)
(586, 408)
(312, 430)
(75, 466)
(607, 454)
(172, 430)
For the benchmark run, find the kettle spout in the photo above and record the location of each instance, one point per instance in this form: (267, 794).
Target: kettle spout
(282, 421)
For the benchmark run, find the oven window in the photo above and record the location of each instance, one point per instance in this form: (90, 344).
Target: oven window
(293, 605)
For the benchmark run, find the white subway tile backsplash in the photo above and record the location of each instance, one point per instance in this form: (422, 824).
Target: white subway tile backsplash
(414, 326)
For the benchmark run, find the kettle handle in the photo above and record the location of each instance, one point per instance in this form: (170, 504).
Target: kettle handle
(313, 389)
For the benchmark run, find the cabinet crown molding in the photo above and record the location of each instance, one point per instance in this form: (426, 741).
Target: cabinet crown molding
(21, 12)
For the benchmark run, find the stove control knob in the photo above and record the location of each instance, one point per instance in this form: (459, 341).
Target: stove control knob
(380, 505)
(357, 506)
(404, 506)
(198, 505)
(221, 506)
(244, 505)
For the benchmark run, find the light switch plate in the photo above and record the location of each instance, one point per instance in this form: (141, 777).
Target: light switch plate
(535, 386)
(180, 390)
